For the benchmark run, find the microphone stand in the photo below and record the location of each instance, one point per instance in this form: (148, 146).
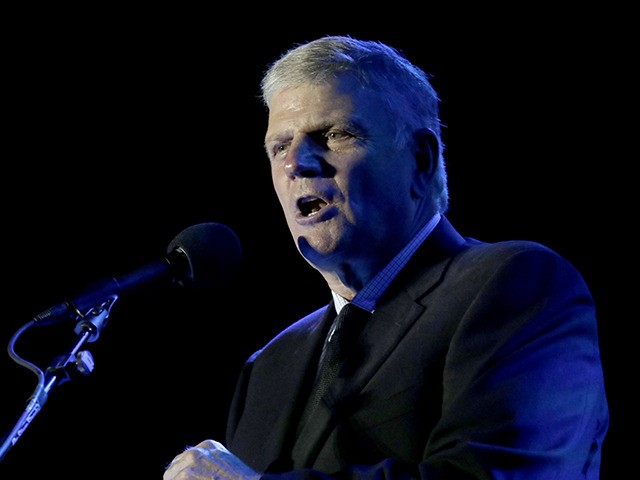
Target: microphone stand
(61, 369)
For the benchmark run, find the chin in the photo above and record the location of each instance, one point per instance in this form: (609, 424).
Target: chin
(315, 250)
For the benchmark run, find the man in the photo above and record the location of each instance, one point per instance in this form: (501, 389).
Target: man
(469, 360)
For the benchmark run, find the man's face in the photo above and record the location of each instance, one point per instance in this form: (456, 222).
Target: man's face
(343, 184)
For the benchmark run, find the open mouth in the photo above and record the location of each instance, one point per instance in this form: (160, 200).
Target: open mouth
(309, 206)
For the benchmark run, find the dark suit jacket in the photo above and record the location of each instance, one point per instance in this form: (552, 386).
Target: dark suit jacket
(480, 361)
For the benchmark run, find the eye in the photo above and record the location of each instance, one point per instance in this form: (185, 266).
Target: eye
(277, 150)
(337, 135)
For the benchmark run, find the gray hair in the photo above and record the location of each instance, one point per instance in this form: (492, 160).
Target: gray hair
(405, 88)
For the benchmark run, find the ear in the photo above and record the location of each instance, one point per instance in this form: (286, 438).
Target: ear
(427, 150)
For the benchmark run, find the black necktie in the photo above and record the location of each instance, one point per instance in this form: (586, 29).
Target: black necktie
(342, 336)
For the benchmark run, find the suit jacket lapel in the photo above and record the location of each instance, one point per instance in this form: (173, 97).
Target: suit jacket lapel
(293, 376)
(380, 335)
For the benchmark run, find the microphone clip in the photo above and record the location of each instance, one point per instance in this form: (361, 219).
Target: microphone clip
(94, 321)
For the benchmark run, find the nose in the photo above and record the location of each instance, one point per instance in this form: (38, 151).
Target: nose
(304, 159)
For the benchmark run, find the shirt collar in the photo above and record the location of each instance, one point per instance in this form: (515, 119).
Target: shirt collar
(373, 290)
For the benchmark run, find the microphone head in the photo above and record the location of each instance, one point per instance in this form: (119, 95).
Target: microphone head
(212, 252)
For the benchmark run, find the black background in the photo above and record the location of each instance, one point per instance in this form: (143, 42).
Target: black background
(122, 128)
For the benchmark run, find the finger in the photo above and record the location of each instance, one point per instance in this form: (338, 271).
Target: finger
(212, 445)
(174, 467)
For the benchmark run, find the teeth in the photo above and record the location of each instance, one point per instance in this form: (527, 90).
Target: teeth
(311, 207)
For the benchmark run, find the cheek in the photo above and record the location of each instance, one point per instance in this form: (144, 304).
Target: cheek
(387, 186)
(279, 185)
(389, 200)
(374, 202)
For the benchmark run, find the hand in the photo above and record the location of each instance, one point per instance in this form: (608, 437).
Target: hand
(206, 461)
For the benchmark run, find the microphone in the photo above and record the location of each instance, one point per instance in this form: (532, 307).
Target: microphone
(201, 256)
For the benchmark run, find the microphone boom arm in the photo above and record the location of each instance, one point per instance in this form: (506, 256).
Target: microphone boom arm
(62, 368)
